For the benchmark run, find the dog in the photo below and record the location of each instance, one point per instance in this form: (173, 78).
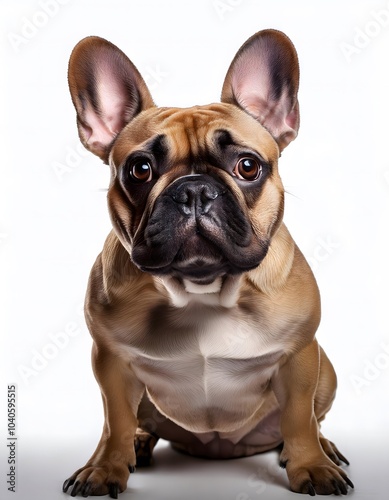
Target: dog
(202, 309)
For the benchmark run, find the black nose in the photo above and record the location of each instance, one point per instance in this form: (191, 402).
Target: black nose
(196, 194)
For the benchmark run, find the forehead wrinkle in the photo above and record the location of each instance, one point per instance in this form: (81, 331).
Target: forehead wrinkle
(188, 132)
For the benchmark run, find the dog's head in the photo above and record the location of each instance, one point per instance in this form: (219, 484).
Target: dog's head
(195, 195)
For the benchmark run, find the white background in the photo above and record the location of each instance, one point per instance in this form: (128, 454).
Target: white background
(54, 221)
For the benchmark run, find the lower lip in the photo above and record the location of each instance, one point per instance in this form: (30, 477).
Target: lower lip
(203, 288)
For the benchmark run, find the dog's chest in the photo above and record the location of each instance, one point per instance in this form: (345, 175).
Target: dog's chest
(214, 363)
(207, 334)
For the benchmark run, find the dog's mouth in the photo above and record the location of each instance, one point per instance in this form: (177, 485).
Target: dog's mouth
(198, 258)
(203, 275)
(197, 232)
(195, 259)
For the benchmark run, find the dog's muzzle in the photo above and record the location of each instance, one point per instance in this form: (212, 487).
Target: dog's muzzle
(197, 231)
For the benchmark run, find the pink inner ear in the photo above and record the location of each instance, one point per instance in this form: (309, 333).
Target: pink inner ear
(105, 124)
(252, 89)
(250, 84)
(263, 80)
(292, 119)
(107, 91)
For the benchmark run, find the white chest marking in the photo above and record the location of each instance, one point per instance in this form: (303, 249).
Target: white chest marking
(212, 378)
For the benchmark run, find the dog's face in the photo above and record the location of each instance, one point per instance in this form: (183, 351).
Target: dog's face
(195, 193)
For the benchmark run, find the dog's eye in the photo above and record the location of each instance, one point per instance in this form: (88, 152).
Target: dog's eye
(141, 171)
(248, 169)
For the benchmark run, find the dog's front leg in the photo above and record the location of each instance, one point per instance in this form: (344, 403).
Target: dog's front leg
(309, 468)
(108, 469)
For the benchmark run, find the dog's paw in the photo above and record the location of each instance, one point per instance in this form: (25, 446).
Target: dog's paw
(98, 480)
(319, 477)
(144, 444)
(332, 452)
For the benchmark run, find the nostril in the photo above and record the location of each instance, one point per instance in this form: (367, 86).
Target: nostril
(186, 201)
(187, 195)
(206, 203)
(181, 197)
(209, 193)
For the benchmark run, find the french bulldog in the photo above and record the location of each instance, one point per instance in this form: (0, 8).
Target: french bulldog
(202, 309)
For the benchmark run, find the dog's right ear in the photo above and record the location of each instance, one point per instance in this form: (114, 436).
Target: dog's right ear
(107, 91)
(263, 80)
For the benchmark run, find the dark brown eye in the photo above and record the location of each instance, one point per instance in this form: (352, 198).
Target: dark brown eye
(141, 171)
(248, 169)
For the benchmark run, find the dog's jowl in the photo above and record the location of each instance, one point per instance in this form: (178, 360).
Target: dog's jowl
(202, 309)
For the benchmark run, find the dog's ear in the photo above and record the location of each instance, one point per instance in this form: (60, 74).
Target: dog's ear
(107, 91)
(263, 80)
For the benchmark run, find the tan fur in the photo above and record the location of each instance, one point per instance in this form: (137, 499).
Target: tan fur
(211, 372)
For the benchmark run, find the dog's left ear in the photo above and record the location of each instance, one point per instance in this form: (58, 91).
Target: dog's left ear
(107, 91)
(263, 80)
